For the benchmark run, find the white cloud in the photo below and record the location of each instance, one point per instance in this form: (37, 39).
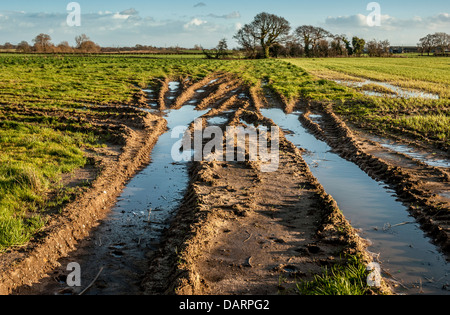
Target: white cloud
(119, 16)
(348, 21)
(194, 23)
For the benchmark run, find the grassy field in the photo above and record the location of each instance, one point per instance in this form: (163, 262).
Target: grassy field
(428, 74)
(426, 119)
(37, 148)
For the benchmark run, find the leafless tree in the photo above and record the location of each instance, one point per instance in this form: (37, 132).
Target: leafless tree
(64, 47)
(89, 47)
(79, 40)
(24, 47)
(266, 29)
(441, 42)
(311, 36)
(378, 48)
(42, 43)
(247, 41)
(437, 42)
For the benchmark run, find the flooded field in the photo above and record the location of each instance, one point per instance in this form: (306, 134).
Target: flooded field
(393, 91)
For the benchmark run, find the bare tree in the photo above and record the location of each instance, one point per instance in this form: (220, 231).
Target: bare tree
(266, 29)
(441, 42)
(247, 41)
(437, 42)
(305, 33)
(426, 44)
(321, 48)
(293, 47)
(89, 47)
(24, 47)
(42, 43)
(64, 47)
(311, 37)
(79, 40)
(384, 47)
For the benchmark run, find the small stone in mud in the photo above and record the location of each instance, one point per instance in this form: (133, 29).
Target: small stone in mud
(248, 262)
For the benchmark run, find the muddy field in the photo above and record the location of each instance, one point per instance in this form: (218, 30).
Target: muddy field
(151, 226)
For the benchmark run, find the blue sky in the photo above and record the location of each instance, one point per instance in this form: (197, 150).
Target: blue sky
(205, 22)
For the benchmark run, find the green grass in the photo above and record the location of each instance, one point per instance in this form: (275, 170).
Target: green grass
(423, 73)
(349, 279)
(32, 159)
(435, 125)
(427, 117)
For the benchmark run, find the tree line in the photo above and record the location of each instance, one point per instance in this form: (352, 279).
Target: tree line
(269, 35)
(42, 44)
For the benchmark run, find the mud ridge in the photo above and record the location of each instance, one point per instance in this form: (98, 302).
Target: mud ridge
(163, 90)
(222, 90)
(190, 91)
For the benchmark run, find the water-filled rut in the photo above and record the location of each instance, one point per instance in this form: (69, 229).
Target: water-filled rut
(117, 253)
(406, 254)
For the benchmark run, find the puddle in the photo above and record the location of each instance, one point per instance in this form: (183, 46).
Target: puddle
(156, 191)
(400, 92)
(243, 96)
(405, 252)
(216, 121)
(152, 98)
(431, 159)
(173, 90)
(173, 86)
(316, 118)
